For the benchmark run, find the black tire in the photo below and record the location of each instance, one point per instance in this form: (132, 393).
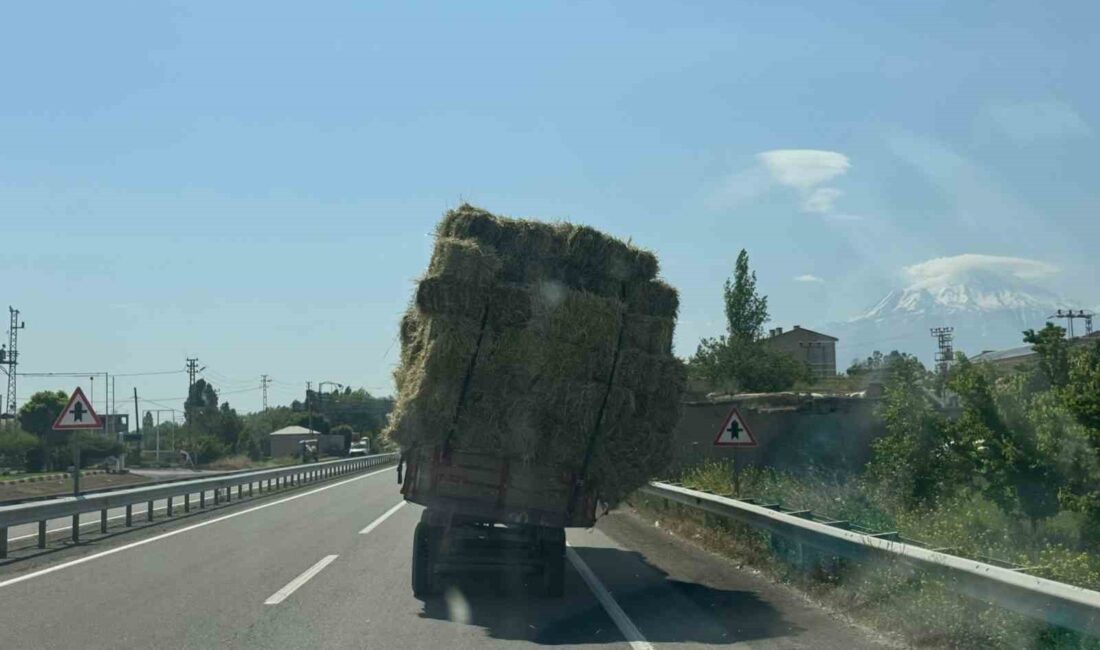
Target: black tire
(422, 582)
(553, 571)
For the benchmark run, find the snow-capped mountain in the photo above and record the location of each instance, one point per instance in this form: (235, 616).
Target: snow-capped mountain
(989, 301)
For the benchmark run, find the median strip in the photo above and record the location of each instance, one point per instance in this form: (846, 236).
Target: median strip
(293, 585)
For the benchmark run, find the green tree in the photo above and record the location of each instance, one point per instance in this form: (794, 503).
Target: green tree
(37, 416)
(147, 421)
(737, 360)
(1082, 390)
(917, 460)
(228, 425)
(1052, 348)
(746, 311)
(1001, 442)
(247, 444)
(15, 447)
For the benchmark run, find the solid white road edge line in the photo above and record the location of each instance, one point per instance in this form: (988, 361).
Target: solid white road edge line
(173, 533)
(630, 631)
(292, 586)
(386, 515)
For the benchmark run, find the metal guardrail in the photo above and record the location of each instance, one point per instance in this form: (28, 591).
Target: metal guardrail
(43, 511)
(1053, 602)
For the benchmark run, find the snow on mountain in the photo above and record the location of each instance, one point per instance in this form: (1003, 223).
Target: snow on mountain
(988, 300)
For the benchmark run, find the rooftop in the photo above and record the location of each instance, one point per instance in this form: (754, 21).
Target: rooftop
(295, 430)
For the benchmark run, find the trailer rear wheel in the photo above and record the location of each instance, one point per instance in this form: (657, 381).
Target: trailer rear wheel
(422, 560)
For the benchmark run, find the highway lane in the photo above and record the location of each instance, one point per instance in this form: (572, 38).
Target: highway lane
(205, 585)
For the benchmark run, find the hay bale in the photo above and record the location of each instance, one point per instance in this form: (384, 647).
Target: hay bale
(428, 395)
(511, 347)
(509, 305)
(630, 454)
(438, 296)
(652, 334)
(578, 317)
(652, 298)
(530, 250)
(465, 260)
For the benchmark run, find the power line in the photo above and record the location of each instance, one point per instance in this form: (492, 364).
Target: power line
(85, 374)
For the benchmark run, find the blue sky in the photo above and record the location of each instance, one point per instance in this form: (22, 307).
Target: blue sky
(255, 184)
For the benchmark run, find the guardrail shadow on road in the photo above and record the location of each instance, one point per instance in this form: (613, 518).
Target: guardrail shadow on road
(666, 610)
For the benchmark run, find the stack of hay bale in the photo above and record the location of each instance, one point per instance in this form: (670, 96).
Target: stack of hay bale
(545, 343)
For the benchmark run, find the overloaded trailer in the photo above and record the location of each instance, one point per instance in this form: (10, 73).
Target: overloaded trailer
(536, 380)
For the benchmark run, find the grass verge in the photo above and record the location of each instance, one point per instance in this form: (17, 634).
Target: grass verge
(890, 596)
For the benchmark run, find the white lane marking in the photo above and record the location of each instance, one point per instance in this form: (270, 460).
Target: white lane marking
(630, 631)
(173, 533)
(292, 586)
(386, 515)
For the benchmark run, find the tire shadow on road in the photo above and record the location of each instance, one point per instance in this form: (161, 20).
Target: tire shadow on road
(666, 610)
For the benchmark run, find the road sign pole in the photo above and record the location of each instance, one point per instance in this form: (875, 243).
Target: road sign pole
(76, 465)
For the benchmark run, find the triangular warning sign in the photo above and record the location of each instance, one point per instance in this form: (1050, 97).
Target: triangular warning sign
(734, 432)
(78, 414)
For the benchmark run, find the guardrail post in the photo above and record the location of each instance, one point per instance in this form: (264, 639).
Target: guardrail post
(103, 521)
(250, 488)
(149, 511)
(42, 534)
(240, 491)
(187, 503)
(228, 493)
(202, 499)
(129, 514)
(3, 542)
(76, 529)
(169, 512)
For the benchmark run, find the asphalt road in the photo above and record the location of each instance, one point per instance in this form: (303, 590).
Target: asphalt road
(297, 570)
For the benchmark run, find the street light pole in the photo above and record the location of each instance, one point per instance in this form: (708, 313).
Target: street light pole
(321, 394)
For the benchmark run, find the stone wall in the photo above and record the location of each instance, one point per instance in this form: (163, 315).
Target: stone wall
(793, 431)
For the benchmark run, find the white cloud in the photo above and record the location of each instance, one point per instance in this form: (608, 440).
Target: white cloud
(807, 278)
(941, 271)
(804, 168)
(800, 169)
(820, 201)
(1031, 121)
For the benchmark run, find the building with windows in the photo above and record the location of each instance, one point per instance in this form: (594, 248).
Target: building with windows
(817, 350)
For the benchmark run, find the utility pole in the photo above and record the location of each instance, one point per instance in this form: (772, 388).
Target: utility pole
(944, 337)
(10, 357)
(1070, 316)
(264, 381)
(192, 370)
(309, 406)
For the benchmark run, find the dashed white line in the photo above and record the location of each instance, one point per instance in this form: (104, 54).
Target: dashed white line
(178, 531)
(630, 631)
(293, 585)
(386, 515)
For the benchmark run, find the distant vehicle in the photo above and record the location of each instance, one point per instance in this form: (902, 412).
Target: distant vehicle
(359, 448)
